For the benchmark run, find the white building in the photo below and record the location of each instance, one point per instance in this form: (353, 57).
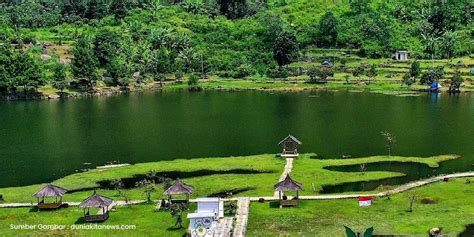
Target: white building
(204, 221)
(401, 55)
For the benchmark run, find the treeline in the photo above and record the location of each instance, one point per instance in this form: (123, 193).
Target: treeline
(47, 13)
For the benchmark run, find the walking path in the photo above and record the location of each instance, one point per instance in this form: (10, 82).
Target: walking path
(286, 170)
(223, 228)
(400, 189)
(241, 217)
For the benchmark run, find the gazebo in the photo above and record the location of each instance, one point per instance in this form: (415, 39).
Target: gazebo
(289, 146)
(288, 184)
(50, 191)
(179, 188)
(97, 201)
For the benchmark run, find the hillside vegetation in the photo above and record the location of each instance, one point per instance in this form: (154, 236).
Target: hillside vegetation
(125, 43)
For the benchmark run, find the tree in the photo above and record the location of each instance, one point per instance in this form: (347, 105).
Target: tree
(456, 81)
(408, 80)
(363, 168)
(176, 210)
(106, 45)
(233, 9)
(328, 29)
(389, 141)
(120, 8)
(372, 72)
(193, 83)
(285, 49)
(415, 69)
(187, 57)
(411, 201)
(432, 75)
(148, 187)
(117, 184)
(59, 77)
(6, 67)
(120, 70)
(322, 73)
(27, 72)
(84, 63)
(358, 71)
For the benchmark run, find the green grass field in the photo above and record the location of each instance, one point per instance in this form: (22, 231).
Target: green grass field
(452, 207)
(136, 220)
(251, 183)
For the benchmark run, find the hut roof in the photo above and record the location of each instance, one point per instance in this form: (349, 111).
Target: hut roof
(96, 200)
(288, 184)
(290, 137)
(179, 188)
(50, 191)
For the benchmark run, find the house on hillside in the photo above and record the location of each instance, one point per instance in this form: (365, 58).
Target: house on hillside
(401, 55)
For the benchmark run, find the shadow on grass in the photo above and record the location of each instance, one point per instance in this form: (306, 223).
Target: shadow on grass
(175, 228)
(34, 209)
(80, 220)
(274, 204)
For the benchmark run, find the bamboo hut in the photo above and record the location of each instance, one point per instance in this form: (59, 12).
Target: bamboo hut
(289, 146)
(97, 201)
(288, 184)
(178, 188)
(51, 191)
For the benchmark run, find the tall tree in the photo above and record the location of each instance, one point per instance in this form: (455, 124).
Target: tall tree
(285, 49)
(106, 45)
(84, 63)
(59, 77)
(328, 29)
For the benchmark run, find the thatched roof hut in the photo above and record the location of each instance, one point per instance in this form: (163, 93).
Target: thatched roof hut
(289, 138)
(288, 184)
(96, 200)
(179, 188)
(50, 191)
(290, 146)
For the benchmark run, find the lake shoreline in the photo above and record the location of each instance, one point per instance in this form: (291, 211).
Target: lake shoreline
(234, 85)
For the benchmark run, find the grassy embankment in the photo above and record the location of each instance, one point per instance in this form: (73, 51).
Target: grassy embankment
(451, 207)
(306, 170)
(230, 178)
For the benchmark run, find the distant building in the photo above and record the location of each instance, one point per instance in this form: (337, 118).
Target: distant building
(401, 55)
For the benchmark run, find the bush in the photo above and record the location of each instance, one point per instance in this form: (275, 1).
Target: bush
(277, 73)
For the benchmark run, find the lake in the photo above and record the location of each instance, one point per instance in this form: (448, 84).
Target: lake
(44, 140)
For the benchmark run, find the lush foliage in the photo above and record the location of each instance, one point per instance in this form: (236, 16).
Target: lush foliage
(227, 38)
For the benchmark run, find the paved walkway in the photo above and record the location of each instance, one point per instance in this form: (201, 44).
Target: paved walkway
(286, 170)
(224, 226)
(241, 216)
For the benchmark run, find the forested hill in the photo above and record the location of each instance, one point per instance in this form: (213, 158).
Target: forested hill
(231, 38)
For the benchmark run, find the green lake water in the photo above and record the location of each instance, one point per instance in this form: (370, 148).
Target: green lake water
(44, 140)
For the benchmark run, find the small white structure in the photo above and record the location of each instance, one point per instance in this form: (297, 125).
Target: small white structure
(401, 55)
(204, 221)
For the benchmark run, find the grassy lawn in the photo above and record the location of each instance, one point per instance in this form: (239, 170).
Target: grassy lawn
(310, 171)
(234, 173)
(452, 208)
(145, 219)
